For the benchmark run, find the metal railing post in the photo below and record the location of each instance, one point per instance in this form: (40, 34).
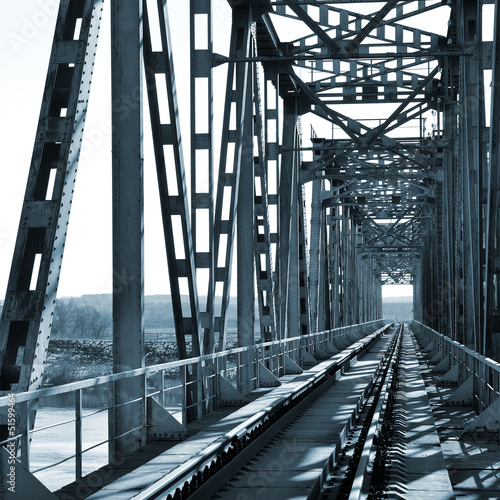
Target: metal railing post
(162, 388)
(239, 373)
(183, 373)
(25, 436)
(216, 384)
(257, 361)
(111, 424)
(199, 388)
(78, 434)
(144, 430)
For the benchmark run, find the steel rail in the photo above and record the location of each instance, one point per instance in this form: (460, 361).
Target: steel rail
(361, 484)
(355, 484)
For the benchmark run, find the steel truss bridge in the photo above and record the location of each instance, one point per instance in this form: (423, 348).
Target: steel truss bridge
(358, 145)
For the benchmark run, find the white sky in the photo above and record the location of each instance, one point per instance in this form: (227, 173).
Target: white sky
(26, 37)
(397, 291)
(26, 31)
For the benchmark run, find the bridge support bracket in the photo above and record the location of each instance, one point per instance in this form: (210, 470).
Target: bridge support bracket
(321, 355)
(162, 425)
(464, 394)
(451, 375)
(291, 367)
(307, 358)
(267, 378)
(486, 425)
(18, 483)
(331, 349)
(438, 357)
(443, 366)
(229, 395)
(429, 347)
(341, 344)
(355, 336)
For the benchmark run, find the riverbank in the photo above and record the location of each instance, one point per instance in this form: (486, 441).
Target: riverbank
(70, 360)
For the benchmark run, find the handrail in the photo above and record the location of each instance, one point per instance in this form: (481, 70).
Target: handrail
(479, 357)
(485, 372)
(105, 379)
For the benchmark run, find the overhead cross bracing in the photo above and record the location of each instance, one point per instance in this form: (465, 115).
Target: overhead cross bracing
(378, 169)
(351, 150)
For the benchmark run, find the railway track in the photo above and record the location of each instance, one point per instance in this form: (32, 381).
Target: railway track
(318, 441)
(360, 471)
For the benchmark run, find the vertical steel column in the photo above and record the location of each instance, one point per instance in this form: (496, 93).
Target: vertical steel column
(362, 273)
(303, 254)
(364, 288)
(449, 165)
(472, 115)
(334, 249)
(417, 292)
(348, 269)
(346, 266)
(459, 247)
(342, 276)
(440, 260)
(245, 209)
(315, 251)
(378, 297)
(287, 204)
(202, 162)
(354, 284)
(492, 305)
(272, 138)
(229, 167)
(428, 307)
(128, 228)
(338, 292)
(292, 253)
(324, 294)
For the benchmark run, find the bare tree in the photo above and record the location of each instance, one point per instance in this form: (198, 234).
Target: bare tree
(97, 323)
(64, 316)
(73, 321)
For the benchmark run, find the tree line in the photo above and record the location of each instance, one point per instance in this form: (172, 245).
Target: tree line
(80, 322)
(90, 316)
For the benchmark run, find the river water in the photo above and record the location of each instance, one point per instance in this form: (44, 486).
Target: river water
(57, 443)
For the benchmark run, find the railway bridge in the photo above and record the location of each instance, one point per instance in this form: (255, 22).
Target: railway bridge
(330, 148)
